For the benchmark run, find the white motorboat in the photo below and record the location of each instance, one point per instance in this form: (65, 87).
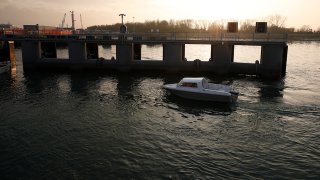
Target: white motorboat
(201, 89)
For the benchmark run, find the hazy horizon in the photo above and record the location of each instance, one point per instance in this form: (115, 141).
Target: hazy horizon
(101, 12)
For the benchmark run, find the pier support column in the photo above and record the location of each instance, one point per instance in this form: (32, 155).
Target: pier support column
(284, 61)
(173, 54)
(12, 55)
(183, 52)
(48, 50)
(222, 55)
(137, 51)
(124, 53)
(271, 61)
(77, 52)
(92, 51)
(31, 53)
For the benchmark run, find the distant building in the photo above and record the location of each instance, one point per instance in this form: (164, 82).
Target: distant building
(31, 27)
(5, 26)
(37, 27)
(8, 27)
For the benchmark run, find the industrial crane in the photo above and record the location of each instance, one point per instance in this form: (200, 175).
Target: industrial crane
(81, 21)
(63, 20)
(72, 20)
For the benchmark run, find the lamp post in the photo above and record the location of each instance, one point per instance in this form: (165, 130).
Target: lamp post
(123, 28)
(122, 18)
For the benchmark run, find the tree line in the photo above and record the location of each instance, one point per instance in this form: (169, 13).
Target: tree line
(276, 24)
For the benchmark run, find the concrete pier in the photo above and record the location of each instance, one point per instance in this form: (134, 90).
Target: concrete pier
(84, 54)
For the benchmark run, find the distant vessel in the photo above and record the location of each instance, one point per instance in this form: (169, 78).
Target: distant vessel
(4, 66)
(200, 89)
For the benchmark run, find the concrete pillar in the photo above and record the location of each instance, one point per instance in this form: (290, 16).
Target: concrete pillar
(124, 53)
(173, 54)
(284, 61)
(92, 51)
(137, 51)
(48, 50)
(222, 55)
(31, 53)
(77, 51)
(232, 53)
(271, 61)
(183, 51)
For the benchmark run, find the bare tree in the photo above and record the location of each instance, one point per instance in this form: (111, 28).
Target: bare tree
(216, 27)
(247, 26)
(204, 24)
(305, 28)
(277, 20)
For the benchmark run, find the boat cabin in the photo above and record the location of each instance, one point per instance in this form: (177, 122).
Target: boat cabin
(199, 83)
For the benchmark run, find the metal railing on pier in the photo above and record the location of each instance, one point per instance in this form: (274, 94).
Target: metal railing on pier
(162, 37)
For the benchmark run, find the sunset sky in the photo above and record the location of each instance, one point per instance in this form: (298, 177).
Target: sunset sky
(98, 12)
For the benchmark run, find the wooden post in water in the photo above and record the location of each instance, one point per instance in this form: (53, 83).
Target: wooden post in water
(12, 56)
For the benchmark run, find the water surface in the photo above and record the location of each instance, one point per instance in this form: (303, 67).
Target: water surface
(85, 125)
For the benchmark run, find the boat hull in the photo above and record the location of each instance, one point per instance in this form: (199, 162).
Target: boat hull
(204, 96)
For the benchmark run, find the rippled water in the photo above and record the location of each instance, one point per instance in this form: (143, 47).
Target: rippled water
(85, 125)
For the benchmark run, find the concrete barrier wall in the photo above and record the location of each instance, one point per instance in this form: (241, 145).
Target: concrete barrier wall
(124, 54)
(77, 52)
(173, 54)
(222, 56)
(271, 61)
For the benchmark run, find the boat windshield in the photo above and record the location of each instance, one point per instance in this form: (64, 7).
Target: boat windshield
(187, 84)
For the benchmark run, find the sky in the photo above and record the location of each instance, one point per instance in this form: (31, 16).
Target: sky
(101, 12)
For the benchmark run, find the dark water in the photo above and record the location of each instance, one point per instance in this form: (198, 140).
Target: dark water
(112, 126)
